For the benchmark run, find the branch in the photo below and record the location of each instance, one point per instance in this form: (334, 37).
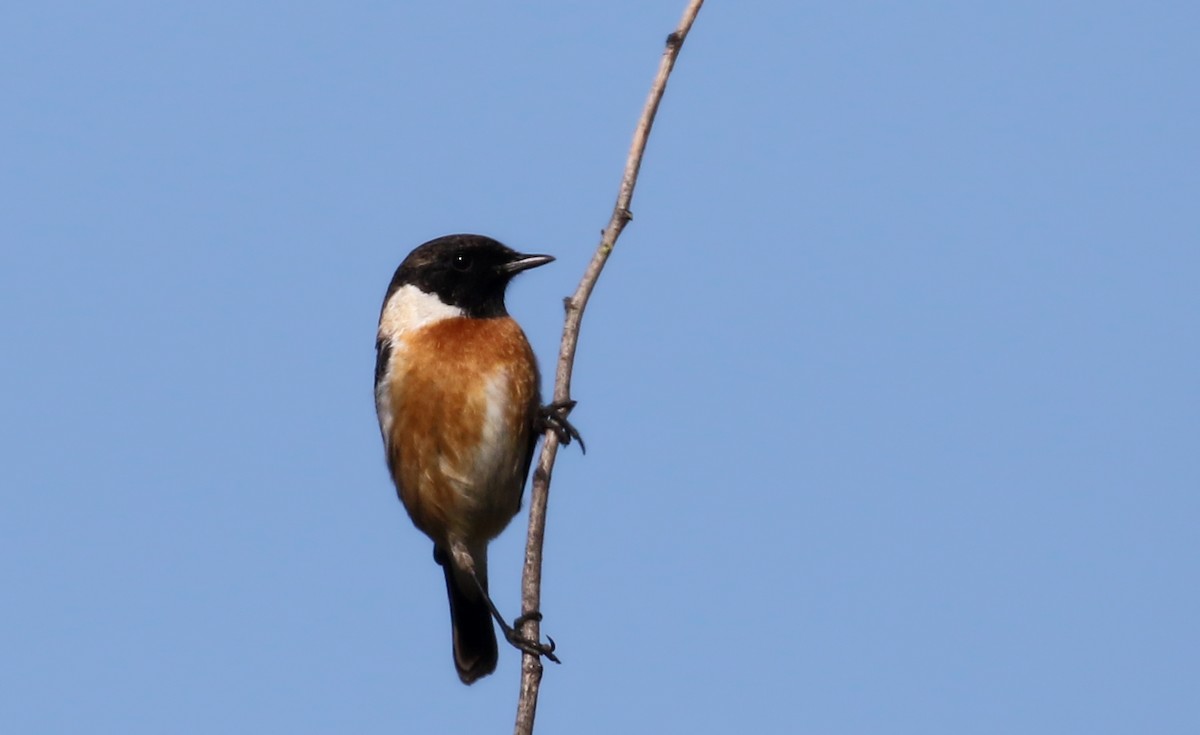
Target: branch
(531, 578)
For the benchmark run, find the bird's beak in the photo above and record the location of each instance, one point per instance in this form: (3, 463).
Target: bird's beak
(525, 262)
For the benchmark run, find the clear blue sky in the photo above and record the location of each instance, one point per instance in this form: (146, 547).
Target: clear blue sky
(891, 390)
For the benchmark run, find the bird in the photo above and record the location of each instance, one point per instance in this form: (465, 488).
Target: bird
(457, 394)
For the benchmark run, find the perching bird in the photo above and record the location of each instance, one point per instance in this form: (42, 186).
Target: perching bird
(458, 399)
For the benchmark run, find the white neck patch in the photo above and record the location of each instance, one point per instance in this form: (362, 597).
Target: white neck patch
(410, 308)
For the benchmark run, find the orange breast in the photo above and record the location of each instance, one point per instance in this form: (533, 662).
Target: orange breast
(464, 393)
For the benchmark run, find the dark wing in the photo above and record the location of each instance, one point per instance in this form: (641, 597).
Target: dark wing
(383, 353)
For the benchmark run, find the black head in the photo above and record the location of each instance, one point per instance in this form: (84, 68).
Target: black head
(467, 271)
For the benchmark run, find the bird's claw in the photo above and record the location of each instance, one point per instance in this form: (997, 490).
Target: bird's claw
(527, 645)
(553, 417)
(535, 617)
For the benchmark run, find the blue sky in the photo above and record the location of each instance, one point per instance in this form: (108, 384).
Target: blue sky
(890, 390)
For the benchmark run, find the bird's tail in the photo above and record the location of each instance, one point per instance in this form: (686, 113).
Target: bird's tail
(475, 653)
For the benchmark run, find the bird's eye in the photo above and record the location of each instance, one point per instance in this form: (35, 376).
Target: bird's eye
(462, 262)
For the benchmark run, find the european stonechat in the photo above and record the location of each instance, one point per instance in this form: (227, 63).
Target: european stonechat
(457, 392)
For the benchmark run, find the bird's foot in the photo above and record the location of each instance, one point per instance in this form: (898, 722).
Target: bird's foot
(529, 645)
(534, 617)
(553, 417)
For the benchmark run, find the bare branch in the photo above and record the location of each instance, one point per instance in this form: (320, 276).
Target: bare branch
(531, 578)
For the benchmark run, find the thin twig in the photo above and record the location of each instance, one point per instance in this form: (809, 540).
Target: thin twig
(531, 578)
